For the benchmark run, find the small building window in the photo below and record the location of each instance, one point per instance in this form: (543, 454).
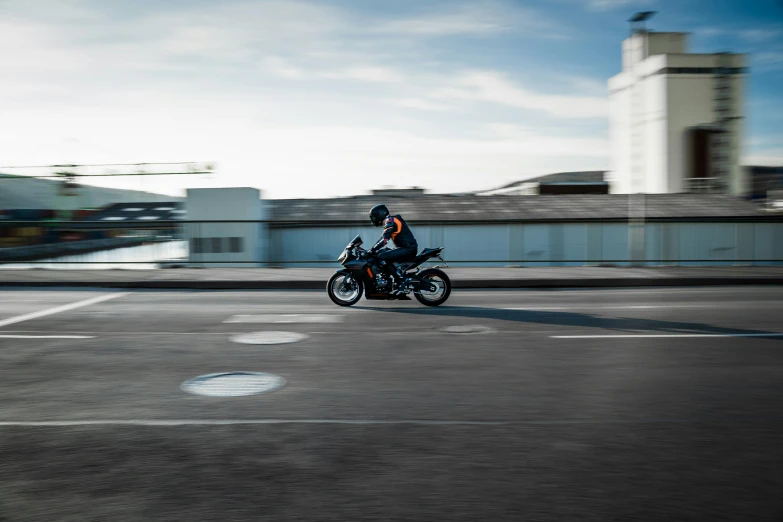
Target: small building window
(216, 245)
(704, 70)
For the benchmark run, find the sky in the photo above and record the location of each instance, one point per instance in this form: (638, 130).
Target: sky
(322, 98)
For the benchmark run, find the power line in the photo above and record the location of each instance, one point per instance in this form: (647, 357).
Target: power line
(56, 176)
(96, 165)
(193, 168)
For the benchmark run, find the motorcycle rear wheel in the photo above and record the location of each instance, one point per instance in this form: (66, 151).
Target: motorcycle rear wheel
(439, 279)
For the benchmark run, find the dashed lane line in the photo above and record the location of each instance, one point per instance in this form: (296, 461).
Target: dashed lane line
(230, 422)
(286, 318)
(664, 336)
(47, 336)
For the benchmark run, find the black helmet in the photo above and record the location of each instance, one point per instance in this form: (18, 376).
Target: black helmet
(378, 213)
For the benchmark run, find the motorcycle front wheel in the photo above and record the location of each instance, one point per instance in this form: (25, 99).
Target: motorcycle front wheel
(344, 290)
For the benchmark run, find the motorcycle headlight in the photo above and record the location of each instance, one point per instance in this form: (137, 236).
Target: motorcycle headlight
(343, 257)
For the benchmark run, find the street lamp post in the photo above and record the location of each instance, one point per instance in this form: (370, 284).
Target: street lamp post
(637, 116)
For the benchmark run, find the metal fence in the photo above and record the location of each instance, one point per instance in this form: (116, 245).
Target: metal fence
(89, 244)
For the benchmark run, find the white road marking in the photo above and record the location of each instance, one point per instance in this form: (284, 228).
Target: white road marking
(355, 422)
(583, 307)
(285, 318)
(114, 332)
(666, 291)
(655, 336)
(63, 308)
(230, 422)
(534, 308)
(530, 308)
(47, 337)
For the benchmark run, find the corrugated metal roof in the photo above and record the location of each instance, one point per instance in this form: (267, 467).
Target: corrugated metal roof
(141, 211)
(511, 208)
(587, 176)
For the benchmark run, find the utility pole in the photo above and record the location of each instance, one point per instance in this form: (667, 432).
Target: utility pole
(637, 117)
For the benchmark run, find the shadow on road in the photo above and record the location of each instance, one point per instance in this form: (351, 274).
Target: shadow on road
(560, 318)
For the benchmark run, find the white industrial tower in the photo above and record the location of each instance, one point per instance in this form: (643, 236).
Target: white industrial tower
(676, 118)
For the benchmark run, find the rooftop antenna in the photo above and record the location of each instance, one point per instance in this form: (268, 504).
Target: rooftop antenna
(637, 21)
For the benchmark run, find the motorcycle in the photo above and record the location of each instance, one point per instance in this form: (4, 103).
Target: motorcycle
(361, 274)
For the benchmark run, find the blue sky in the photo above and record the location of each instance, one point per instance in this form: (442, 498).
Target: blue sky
(322, 98)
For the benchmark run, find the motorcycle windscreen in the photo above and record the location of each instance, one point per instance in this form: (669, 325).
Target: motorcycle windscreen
(343, 257)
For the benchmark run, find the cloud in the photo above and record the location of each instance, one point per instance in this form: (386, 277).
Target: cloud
(710, 32)
(756, 35)
(491, 86)
(760, 35)
(444, 25)
(61, 11)
(365, 74)
(33, 49)
(766, 158)
(350, 153)
(69, 36)
(589, 86)
(276, 66)
(275, 23)
(770, 61)
(191, 82)
(289, 160)
(615, 4)
(473, 18)
(509, 131)
(418, 103)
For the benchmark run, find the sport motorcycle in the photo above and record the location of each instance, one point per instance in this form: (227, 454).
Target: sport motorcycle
(362, 274)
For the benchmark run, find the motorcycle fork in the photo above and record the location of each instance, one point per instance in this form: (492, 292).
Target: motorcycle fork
(348, 283)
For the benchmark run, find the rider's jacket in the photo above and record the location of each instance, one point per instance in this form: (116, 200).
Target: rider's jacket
(395, 228)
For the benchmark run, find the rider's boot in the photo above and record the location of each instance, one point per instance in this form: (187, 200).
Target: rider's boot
(399, 279)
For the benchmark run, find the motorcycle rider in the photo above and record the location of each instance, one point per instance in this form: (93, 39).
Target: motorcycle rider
(395, 229)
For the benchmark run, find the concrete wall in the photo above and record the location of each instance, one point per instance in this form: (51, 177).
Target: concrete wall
(569, 244)
(227, 244)
(638, 110)
(691, 103)
(667, 43)
(619, 175)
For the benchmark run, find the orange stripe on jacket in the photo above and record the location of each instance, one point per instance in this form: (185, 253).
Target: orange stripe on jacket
(398, 228)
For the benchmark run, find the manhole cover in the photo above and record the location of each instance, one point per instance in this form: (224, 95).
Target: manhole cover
(467, 329)
(233, 384)
(269, 337)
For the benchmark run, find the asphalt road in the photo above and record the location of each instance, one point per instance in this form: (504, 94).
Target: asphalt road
(623, 404)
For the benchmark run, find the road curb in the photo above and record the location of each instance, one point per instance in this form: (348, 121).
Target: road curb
(463, 283)
(618, 282)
